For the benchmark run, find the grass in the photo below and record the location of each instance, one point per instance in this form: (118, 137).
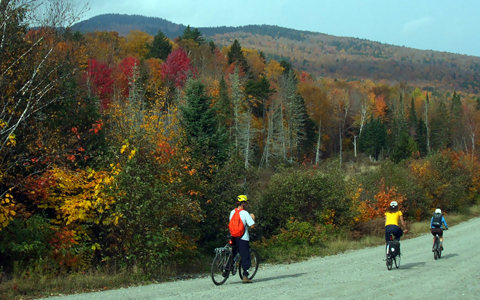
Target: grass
(25, 286)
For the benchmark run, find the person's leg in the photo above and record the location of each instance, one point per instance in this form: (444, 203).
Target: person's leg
(398, 233)
(388, 229)
(244, 249)
(440, 233)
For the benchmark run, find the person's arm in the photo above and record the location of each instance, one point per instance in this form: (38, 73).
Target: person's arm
(445, 222)
(250, 220)
(431, 223)
(403, 224)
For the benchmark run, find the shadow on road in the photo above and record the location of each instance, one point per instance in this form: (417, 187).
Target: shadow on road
(449, 256)
(278, 277)
(412, 265)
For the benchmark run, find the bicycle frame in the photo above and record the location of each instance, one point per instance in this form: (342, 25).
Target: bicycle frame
(392, 257)
(437, 250)
(225, 264)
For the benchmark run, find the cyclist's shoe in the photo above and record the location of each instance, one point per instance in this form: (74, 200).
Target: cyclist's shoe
(246, 280)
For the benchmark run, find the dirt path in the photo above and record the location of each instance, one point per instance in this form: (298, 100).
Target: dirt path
(360, 274)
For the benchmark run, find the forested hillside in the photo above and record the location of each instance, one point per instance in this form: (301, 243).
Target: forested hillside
(322, 55)
(126, 152)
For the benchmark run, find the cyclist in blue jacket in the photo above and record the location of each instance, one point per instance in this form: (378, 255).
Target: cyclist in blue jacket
(436, 226)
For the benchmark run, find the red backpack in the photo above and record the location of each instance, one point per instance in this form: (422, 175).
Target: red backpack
(236, 226)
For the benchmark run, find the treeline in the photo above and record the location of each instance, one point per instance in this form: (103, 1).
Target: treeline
(356, 59)
(121, 152)
(322, 55)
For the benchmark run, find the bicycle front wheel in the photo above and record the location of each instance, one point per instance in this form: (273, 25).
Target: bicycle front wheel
(220, 270)
(389, 263)
(255, 261)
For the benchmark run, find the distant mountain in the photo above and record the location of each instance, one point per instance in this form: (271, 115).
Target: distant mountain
(123, 24)
(320, 54)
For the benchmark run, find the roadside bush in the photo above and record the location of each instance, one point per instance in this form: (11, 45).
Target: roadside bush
(296, 233)
(26, 242)
(307, 195)
(449, 180)
(153, 220)
(396, 176)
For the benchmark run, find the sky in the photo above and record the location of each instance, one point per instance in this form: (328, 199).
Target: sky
(441, 25)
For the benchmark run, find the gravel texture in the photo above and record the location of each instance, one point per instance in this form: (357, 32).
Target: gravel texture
(360, 274)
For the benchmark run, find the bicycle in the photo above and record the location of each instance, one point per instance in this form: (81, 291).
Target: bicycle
(437, 249)
(225, 264)
(392, 252)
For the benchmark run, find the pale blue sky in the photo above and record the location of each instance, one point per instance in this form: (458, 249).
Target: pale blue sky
(451, 26)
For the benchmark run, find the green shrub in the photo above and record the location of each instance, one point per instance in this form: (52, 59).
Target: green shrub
(25, 242)
(308, 195)
(416, 204)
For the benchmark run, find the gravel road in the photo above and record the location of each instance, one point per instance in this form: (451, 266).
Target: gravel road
(359, 274)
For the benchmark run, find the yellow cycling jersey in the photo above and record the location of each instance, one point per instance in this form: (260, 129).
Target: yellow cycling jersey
(392, 218)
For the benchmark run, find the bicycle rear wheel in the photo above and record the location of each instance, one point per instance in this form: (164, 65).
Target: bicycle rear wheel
(220, 271)
(388, 259)
(255, 261)
(397, 260)
(436, 248)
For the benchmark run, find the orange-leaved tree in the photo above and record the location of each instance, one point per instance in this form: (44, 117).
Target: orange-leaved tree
(376, 209)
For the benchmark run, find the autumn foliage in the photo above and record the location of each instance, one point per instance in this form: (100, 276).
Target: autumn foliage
(112, 159)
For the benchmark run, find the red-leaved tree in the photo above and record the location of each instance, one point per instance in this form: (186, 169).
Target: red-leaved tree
(126, 67)
(99, 77)
(176, 69)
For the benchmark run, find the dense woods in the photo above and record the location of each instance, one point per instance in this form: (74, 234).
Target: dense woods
(128, 151)
(320, 54)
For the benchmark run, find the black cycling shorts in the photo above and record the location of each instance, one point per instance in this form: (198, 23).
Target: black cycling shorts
(438, 231)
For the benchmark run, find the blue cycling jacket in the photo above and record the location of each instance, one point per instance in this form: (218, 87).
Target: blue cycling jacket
(443, 222)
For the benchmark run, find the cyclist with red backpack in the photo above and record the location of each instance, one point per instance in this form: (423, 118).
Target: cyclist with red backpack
(436, 226)
(240, 220)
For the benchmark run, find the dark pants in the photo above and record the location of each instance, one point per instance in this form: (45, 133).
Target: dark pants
(397, 232)
(244, 249)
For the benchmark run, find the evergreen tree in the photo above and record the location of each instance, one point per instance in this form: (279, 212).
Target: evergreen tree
(456, 121)
(224, 106)
(262, 56)
(203, 136)
(194, 35)
(404, 149)
(287, 67)
(160, 47)
(427, 124)
(440, 128)
(412, 118)
(258, 92)
(421, 138)
(295, 116)
(212, 46)
(373, 138)
(235, 55)
(456, 105)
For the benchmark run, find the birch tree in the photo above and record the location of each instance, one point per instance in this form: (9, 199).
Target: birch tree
(33, 66)
(295, 116)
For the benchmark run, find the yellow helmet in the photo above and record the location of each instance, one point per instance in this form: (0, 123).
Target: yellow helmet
(242, 198)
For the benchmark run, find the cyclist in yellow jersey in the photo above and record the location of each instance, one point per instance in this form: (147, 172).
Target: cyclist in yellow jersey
(392, 216)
